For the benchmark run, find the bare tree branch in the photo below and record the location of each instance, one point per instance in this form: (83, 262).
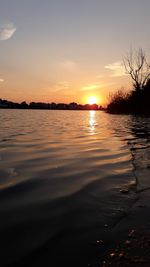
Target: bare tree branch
(138, 68)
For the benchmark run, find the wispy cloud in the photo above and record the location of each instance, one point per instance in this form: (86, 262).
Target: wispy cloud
(60, 86)
(63, 85)
(91, 87)
(95, 86)
(6, 31)
(117, 69)
(68, 64)
(1, 80)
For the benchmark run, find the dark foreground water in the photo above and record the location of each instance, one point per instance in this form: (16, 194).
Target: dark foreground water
(66, 179)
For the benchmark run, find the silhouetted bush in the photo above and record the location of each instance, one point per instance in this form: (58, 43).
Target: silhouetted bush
(136, 102)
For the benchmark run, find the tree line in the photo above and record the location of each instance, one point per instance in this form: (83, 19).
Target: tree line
(41, 105)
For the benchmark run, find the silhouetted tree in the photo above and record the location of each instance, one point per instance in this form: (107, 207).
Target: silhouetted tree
(24, 105)
(73, 105)
(138, 68)
(53, 105)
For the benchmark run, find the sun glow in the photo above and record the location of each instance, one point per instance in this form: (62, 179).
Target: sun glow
(92, 100)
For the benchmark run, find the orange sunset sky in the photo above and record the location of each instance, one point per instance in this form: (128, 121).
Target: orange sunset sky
(66, 50)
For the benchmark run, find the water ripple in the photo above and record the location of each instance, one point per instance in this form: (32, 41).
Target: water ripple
(61, 178)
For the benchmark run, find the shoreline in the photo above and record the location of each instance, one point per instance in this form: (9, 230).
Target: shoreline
(130, 238)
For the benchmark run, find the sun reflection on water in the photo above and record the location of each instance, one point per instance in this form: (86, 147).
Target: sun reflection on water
(92, 121)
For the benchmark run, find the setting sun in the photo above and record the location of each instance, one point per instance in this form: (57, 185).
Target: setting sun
(92, 100)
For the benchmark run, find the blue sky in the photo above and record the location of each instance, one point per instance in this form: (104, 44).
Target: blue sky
(68, 50)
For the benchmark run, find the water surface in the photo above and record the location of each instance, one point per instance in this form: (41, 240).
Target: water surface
(62, 178)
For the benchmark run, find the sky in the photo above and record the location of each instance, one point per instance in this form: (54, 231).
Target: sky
(68, 50)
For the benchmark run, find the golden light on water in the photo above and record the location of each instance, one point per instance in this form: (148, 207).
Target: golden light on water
(92, 121)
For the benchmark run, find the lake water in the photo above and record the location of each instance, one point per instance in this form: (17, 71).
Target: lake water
(66, 179)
